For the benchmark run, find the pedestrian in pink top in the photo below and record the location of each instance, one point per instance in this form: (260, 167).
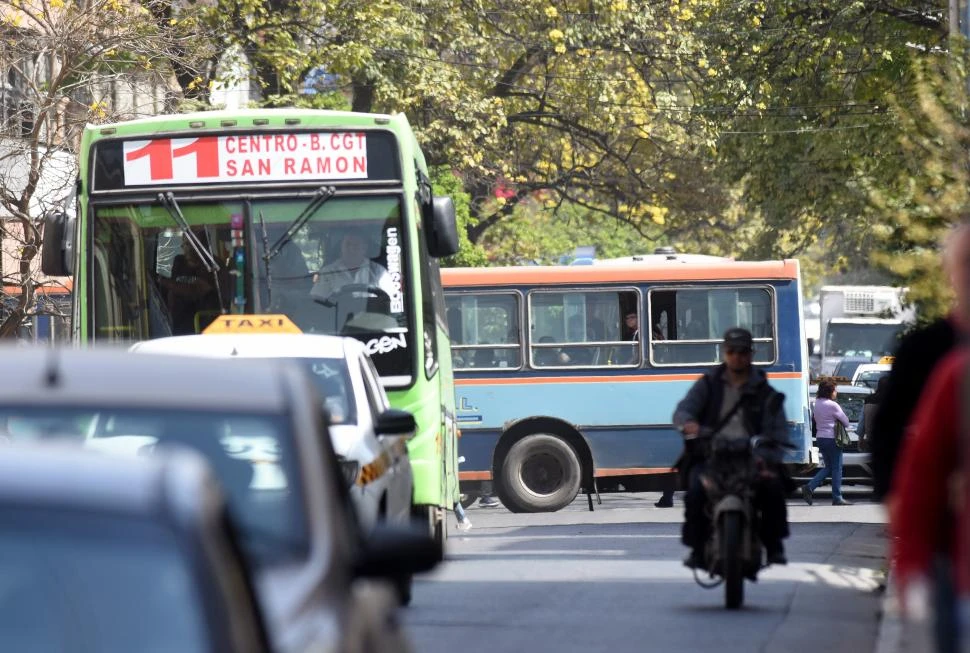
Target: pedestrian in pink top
(824, 415)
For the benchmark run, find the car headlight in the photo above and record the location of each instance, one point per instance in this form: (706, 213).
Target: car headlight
(350, 469)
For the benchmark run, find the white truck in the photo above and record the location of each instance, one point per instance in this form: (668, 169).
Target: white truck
(860, 324)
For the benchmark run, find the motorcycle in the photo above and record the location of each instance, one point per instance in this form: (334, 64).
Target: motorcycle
(734, 551)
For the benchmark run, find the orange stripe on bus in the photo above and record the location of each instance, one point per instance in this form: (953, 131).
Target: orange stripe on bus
(627, 378)
(632, 471)
(599, 473)
(474, 476)
(537, 275)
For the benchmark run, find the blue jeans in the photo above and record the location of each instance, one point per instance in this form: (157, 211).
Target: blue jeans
(832, 457)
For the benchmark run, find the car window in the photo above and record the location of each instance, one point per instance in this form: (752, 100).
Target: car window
(67, 578)
(252, 455)
(332, 379)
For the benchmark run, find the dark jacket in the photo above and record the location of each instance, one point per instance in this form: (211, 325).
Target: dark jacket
(916, 356)
(762, 412)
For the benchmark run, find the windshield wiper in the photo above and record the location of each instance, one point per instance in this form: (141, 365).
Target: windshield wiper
(320, 197)
(269, 277)
(167, 200)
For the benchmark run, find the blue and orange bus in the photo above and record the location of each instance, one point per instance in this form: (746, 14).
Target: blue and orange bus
(567, 376)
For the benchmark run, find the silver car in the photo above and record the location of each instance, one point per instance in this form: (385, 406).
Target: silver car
(319, 582)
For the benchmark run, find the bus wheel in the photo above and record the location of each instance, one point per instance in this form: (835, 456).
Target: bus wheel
(541, 473)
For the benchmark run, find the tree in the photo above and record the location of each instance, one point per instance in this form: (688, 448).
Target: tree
(806, 128)
(70, 63)
(931, 191)
(587, 102)
(536, 234)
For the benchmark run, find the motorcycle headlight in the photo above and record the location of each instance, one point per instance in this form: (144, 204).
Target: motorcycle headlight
(350, 469)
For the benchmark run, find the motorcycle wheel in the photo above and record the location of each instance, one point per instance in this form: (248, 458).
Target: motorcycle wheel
(732, 566)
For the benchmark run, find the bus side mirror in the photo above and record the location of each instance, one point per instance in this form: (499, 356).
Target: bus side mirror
(57, 251)
(442, 228)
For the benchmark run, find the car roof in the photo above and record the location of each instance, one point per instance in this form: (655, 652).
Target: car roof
(846, 389)
(52, 476)
(254, 345)
(111, 377)
(853, 389)
(873, 367)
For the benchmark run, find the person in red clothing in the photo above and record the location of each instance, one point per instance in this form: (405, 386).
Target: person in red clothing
(929, 493)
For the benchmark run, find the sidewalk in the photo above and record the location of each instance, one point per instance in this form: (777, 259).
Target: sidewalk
(890, 624)
(897, 635)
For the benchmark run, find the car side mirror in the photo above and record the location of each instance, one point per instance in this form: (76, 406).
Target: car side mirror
(394, 550)
(394, 421)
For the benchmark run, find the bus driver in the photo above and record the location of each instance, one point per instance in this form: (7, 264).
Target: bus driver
(352, 268)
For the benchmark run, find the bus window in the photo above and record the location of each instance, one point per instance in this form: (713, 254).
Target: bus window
(583, 329)
(688, 324)
(484, 330)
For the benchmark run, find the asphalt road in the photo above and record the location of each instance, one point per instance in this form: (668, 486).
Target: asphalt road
(612, 580)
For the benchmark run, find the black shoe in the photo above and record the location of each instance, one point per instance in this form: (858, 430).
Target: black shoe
(695, 560)
(841, 502)
(665, 502)
(488, 501)
(807, 494)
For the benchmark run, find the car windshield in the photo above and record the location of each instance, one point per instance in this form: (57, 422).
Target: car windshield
(870, 340)
(332, 379)
(343, 271)
(851, 404)
(80, 582)
(252, 455)
(846, 368)
(870, 378)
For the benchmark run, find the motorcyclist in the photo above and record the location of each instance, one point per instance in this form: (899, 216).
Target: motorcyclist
(734, 400)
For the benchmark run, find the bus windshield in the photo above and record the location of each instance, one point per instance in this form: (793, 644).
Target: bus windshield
(342, 272)
(852, 339)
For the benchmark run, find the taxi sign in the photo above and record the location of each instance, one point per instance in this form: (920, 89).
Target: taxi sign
(887, 360)
(252, 324)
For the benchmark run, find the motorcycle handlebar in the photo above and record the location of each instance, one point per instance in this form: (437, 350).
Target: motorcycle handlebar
(758, 440)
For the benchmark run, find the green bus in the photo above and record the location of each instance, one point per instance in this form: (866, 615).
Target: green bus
(327, 217)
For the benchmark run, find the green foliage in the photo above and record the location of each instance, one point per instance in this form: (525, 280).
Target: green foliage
(445, 182)
(536, 234)
(930, 191)
(807, 131)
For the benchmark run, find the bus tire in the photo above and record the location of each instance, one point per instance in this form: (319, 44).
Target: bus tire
(540, 473)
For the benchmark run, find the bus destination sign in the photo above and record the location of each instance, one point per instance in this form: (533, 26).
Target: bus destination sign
(254, 157)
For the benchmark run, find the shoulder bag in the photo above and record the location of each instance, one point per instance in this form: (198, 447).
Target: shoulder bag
(841, 435)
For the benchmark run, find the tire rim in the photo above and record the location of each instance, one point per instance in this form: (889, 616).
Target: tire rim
(542, 474)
